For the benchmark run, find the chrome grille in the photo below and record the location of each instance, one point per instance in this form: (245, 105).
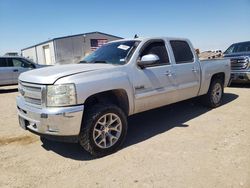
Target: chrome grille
(32, 93)
(239, 63)
(33, 101)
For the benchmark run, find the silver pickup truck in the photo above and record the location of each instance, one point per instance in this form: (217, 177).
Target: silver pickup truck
(89, 102)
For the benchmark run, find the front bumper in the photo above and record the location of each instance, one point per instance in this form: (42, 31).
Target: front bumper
(61, 121)
(240, 76)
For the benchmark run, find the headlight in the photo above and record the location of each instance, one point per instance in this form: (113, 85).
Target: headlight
(61, 95)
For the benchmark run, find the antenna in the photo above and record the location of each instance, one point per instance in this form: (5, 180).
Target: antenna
(136, 36)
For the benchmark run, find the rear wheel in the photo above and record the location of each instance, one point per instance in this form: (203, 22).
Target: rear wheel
(213, 98)
(103, 130)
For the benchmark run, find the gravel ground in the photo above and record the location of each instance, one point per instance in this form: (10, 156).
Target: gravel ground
(181, 145)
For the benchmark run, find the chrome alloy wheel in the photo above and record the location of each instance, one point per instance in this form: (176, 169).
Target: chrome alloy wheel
(107, 130)
(216, 93)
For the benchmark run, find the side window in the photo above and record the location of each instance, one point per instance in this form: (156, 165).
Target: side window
(20, 63)
(16, 63)
(182, 51)
(3, 62)
(27, 64)
(159, 49)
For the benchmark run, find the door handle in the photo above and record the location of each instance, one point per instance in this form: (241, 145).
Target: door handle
(194, 70)
(15, 70)
(168, 73)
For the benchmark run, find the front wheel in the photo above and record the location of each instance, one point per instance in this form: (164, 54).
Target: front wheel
(213, 98)
(103, 130)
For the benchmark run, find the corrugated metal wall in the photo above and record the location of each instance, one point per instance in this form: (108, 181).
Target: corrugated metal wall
(69, 50)
(41, 55)
(73, 49)
(30, 53)
(64, 50)
(37, 55)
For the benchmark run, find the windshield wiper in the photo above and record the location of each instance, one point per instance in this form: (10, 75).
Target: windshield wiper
(83, 61)
(100, 61)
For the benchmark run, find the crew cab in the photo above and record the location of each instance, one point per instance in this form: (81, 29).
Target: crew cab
(89, 102)
(12, 66)
(239, 54)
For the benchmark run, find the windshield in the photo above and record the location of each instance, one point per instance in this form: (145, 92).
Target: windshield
(117, 53)
(239, 47)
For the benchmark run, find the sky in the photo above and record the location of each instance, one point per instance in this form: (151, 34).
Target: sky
(209, 24)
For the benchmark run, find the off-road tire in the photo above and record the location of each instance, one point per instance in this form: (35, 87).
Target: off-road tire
(90, 118)
(208, 100)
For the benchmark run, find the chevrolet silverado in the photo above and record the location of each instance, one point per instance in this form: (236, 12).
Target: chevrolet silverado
(89, 102)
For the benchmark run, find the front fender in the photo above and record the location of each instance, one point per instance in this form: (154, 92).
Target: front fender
(93, 83)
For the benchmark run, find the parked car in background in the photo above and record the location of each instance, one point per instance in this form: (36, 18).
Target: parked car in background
(239, 53)
(12, 66)
(89, 102)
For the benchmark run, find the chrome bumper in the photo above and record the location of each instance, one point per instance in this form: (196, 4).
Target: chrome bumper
(240, 76)
(60, 121)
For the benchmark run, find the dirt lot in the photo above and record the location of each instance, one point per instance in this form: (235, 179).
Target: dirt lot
(182, 145)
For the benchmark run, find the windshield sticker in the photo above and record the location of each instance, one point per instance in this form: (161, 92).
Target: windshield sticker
(123, 47)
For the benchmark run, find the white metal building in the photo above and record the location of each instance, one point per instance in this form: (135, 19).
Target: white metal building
(68, 49)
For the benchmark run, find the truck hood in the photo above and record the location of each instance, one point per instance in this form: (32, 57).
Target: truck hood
(50, 75)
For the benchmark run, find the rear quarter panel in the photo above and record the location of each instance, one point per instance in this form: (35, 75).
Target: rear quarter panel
(212, 67)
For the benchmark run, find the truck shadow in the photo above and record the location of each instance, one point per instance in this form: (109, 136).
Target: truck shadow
(148, 124)
(145, 125)
(240, 85)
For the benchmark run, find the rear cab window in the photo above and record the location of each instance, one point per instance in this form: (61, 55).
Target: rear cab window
(182, 51)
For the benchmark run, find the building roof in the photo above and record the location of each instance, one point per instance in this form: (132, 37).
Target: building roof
(95, 32)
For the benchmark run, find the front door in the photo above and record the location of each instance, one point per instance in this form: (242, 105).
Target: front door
(154, 85)
(19, 66)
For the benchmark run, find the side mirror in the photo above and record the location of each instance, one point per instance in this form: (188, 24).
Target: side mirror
(32, 66)
(147, 60)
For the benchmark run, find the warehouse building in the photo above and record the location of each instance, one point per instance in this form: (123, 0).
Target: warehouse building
(68, 49)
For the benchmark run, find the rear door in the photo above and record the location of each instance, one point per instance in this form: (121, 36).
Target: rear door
(6, 72)
(187, 69)
(154, 85)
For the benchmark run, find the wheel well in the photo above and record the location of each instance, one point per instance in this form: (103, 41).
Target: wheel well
(220, 76)
(118, 97)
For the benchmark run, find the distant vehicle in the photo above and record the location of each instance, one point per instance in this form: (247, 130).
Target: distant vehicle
(210, 54)
(11, 54)
(218, 51)
(89, 102)
(239, 53)
(12, 66)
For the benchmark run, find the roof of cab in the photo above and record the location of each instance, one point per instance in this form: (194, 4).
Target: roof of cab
(149, 38)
